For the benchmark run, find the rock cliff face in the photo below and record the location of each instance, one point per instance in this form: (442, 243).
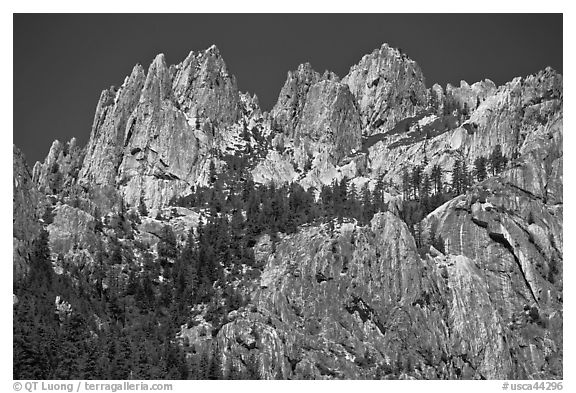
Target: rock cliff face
(104, 150)
(388, 87)
(204, 88)
(466, 97)
(288, 108)
(59, 171)
(339, 305)
(329, 123)
(512, 239)
(361, 303)
(513, 116)
(25, 225)
(151, 137)
(318, 114)
(160, 145)
(70, 228)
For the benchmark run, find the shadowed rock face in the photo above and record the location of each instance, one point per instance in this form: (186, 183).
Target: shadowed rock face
(25, 225)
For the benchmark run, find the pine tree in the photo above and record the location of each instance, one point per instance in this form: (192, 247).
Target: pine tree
(142, 210)
(186, 270)
(368, 207)
(254, 218)
(279, 210)
(416, 180)
(121, 357)
(327, 201)
(352, 204)
(145, 292)
(480, 168)
(406, 184)
(41, 275)
(466, 177)
(436, 178)
(72, 354)
(167, 247)
(341, 197)
(212, 172)
(465, 110)
(457, 176)
(497, 160)
(425, 188)
(34, 337)
(214, 369)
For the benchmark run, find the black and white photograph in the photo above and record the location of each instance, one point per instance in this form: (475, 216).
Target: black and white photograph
(287, 196)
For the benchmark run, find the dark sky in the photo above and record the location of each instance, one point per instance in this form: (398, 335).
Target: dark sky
(63, 62)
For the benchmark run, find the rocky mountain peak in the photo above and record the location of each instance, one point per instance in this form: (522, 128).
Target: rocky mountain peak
(292, 97)
(204, 87)
(318, 114)
(329, 75)
(388, 87)
(157, 86)
(149, 133)
(60, 167)
(305, 71)
(103, 152)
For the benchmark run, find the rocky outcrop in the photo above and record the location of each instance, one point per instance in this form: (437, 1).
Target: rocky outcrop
(518, 111)
(361, 303)
(71, 228)
(464, 98)
(161, 148)
(60, 169)
(488, 305)
(510, 233)
(25, 225)
(329, 123)
(287, 110)
(334, 305)
(104, 149)
(518, 116)
(275, 168)
(388, 87)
